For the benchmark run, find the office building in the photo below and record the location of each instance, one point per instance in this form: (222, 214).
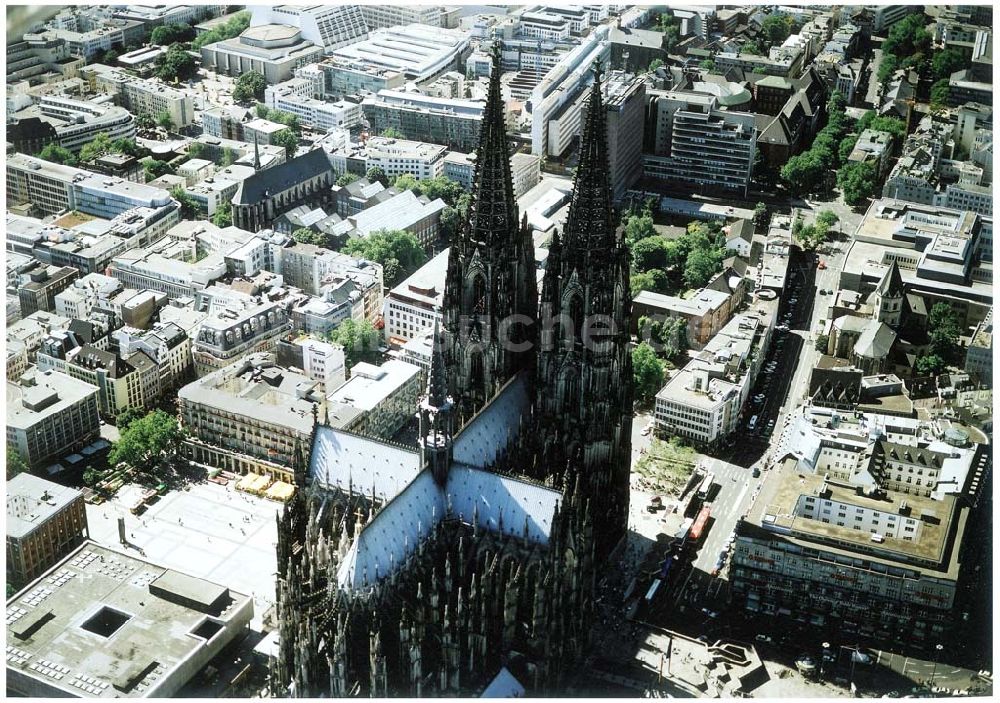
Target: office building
(317, 114)
(979, 354)
(309, 268)
(452, 122)
(376, 16)
(342, 78)
(105, 623)
(68, 123)
(50, 414)
(166, 344)
(526, 172)
(88, 42)
(45, 521)
(123, 383)
(415, 304)
(42, 285)
(543, 25)
(405, 211)
(625, 105)
(859, 559)
(703, 401)
(150, 268)
(377, 401)
(699, 143)
(250, 416)
(323, 362)
(400, 156)
(273, 50)
(326, 26)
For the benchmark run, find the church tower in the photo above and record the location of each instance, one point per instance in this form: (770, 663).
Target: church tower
(490, 299)
(436, 422)
(584, 390)
(887, 300)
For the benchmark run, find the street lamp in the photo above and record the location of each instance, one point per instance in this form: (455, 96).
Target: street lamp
(938, 648)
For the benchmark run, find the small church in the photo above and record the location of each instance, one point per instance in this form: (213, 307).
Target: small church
(434, 570)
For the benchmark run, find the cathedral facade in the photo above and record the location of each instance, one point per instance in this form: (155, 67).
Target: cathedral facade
(418, 571)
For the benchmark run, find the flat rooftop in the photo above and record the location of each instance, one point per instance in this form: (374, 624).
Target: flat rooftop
(52, 393)
(776, 511)
(104, 624)
(370, 385)
(32, 500)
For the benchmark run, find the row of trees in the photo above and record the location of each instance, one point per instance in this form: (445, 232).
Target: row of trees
(811, 236)
(399, 252)
(806, 172)
(944, 330)
(233, 27)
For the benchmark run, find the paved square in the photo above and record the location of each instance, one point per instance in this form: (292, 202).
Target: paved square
(210, 531)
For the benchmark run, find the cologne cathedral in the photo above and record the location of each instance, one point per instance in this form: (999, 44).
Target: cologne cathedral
(436, 569)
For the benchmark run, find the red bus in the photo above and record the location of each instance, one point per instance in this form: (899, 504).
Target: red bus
(698, 529)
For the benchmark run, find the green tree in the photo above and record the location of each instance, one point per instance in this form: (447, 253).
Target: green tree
(15, 463)
(288, 139)
(700, 266)
(947, 62)
(175, 65)
(827, 218)
(127, 416)
(945, 329)
(189, 207)
(655, 65)
(940, 93)
(91, 477)
(147, 441)
(930, 364)
(359, 340)
(144, 121)
(776, 29)
(857, 180)
(406, 181)
(164, 120)
(650, 253)
(249, 86)
(639, 227)
(392, 133)
(227, 157)
(440, 187)
(707, 65)
(450, 222)
(306, 235)
(398, 251)
(223, 216)
(760, 215)
(887, 67)
(154, 168)
(822, 343)
(908, 36)
(673, 335)
(96, 148)
(645, 280)
(847, 145)
(57, 155)
(347, 179)
(129, 147)
(803, 172)
(110, 57)
(173, 33)
(647, 371)
(233, 27)
(375, 173)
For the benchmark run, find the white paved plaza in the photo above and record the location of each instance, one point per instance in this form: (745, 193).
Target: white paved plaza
(210, 531)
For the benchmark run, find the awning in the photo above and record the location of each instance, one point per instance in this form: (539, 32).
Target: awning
(246, 482)
(74, 459)
(281, 491)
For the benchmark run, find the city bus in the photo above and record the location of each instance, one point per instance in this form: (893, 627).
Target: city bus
(705, 489)
(700, 525)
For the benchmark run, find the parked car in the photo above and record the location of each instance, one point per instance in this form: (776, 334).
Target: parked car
(709, 613)
(756, 472)
(765, 639)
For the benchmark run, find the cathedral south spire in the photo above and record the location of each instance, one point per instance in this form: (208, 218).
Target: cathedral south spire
(490, 288)
(436, 422)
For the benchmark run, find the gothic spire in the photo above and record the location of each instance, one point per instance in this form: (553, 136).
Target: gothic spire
(437, 379)
(493, 214)
(256, 153)
(589, 224)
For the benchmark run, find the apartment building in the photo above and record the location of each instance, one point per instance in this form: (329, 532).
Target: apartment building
(45, 521)
(873, 147)
(703, 401)
(250, 416)
(378, 400)
(446, 121)
(87, 43)
(230, 334)
(123, 383)
(854, 561)
(166, 344)
(50, 414)
(400, 156)
(699, 143)
(310, 267)
(787, 62)
(142, 96)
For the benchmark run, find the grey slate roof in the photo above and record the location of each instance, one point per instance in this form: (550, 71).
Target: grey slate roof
(282, 177)
(875, 341)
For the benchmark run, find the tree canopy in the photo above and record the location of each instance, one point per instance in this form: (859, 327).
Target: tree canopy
(146, 441)
(288, 139)
(306, 235)
(647, 371)
(171, 34)
(392, 133)
(347, 179)
(233, 27)
(375, 173)
(249, 86)
(223, 216)
(359, 339)
(15, 463)
(858, 181)
(154, 168)
(175, 64)
(57, 155)
(164, 120)
(398, 251)
(189, 207)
